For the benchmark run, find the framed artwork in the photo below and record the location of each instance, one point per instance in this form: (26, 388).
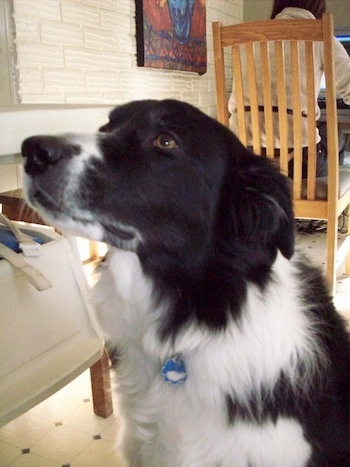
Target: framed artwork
(171, 34)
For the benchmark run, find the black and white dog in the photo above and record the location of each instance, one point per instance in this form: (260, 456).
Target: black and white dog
(227, 347)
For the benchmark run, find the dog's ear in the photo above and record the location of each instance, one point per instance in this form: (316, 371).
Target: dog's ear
(262, 208)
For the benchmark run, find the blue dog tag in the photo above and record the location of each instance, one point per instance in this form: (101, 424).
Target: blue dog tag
(174, 371)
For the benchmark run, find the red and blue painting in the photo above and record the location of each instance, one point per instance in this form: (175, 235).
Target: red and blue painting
(171, 34)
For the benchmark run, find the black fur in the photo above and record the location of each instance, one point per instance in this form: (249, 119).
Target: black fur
(203, 252)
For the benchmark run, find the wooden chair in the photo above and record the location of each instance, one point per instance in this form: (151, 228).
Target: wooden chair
(266, 48)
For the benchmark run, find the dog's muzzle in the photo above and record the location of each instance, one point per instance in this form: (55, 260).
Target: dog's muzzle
(41, 152)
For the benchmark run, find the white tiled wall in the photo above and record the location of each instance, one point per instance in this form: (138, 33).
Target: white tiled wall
(84, 51)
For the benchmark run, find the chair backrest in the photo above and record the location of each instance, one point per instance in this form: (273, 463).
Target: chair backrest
(274, 95)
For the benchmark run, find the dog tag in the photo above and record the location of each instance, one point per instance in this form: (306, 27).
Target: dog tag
(174, 371)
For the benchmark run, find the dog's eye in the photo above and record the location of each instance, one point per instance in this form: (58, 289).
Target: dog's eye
(165, 141)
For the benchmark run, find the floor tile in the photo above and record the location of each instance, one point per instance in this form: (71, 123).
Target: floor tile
(53, 409)
(8, 453)
(25, 430)
(84, 419)
(62, 444)
(112, 431)
(32, 460)
(102, 450)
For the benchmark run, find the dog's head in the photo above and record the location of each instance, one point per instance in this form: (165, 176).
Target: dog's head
(166, 181)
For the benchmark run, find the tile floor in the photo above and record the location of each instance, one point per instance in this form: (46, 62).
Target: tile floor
(63, 430)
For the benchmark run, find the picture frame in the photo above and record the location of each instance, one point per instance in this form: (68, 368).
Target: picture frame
(171, 34)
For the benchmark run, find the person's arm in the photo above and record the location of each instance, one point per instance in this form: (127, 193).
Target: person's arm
(342, 71)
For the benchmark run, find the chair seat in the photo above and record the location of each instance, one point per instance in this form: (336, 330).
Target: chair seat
(322, 185)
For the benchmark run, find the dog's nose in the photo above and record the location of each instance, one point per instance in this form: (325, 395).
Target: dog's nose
(43, 151)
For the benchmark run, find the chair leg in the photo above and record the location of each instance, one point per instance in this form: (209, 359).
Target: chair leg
(101, 387)
(332, 239)
(347, 259)
(93, 250)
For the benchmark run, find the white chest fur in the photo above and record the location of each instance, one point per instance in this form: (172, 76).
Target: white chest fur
(186, 425)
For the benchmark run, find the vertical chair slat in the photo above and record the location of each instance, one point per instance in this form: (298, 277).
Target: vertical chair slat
(297, 129)
(239, 92)
(220, 81)
(253, 96)
(311, 121)
(267, 98)
(282, 105)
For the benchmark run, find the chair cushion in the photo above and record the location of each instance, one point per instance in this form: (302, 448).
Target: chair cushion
(322, 185)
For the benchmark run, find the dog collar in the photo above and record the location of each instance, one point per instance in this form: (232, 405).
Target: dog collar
(174, 370)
